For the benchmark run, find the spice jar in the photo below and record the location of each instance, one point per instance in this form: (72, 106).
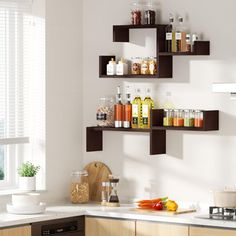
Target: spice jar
(178, 120)
(153, 66)
(79, 187)
(136, 65)
(198, 118)
(145, 66)
(168, 117)
(105, 112)
(149, 15)
(136, 13)
(188, 118)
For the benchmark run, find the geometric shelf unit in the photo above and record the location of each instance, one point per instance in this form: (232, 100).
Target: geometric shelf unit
(164, 59)
(157, 132)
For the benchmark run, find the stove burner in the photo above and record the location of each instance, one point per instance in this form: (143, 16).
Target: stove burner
(222, 213)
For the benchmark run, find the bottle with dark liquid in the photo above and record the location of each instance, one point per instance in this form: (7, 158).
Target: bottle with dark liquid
(118, 110)
(169, 34)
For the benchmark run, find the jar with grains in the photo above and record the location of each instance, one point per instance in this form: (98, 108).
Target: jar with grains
(136, 13)
(105, 112)
(79, 187)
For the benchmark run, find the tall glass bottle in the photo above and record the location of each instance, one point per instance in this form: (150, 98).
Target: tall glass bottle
(137, 110)
(169, 35)
(181, 36)
(127, 111)
(118, 110)
(147, 105)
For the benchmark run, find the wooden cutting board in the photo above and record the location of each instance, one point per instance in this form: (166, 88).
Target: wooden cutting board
(98, 172)
(164, 212)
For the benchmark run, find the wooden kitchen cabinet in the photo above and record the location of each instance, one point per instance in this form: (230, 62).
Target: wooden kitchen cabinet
(16, 231)
(144, 228)
(205, 231)
(108, 227)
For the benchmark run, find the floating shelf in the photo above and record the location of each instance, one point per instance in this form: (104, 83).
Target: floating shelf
(157, 132)
(165, 59)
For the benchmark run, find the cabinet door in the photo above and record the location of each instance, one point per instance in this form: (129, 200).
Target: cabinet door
(144, 228)
(109, 227)
(203, 231)
(17, 231)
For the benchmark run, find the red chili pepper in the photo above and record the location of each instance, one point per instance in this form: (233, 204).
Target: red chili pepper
(158, 206)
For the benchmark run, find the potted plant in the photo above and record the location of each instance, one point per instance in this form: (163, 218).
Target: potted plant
(27, 172)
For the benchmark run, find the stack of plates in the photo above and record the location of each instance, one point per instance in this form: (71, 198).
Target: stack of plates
(26, 204)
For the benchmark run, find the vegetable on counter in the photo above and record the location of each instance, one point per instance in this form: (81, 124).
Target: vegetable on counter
(158, 204)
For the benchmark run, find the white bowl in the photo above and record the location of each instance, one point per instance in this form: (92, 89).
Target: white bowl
(25, 199)
(27, 210)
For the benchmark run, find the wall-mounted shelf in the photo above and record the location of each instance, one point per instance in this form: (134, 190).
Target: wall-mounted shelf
(165, 59)
(157, 132)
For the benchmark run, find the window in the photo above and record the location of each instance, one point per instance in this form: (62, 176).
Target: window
(22, 93)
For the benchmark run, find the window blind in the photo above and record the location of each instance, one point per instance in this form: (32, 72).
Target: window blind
(15, 69)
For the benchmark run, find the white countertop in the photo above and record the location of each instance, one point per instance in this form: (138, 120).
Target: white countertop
(123, 212)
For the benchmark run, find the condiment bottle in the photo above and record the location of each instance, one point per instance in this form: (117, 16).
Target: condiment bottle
(137, 110)
(188, 118)
(153, 66)
(79, 187)
(168, 30)
(198, 118)
(111, 67)
(145, 66)
(127, 111)
(122, 67)
(147, 105)
(188, 43)
(168, 117)
(180, 36)
(118, 110)
(136, 65)
(178, 120)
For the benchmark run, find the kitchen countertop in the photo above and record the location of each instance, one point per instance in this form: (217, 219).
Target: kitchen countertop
(123, 212)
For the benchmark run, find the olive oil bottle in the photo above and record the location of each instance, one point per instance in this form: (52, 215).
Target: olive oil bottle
(147, 105)
(137, 111)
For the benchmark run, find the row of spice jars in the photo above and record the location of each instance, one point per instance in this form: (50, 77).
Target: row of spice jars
(183, 118)
(144, 66)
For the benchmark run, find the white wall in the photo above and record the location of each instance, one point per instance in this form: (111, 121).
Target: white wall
(63, 95)
(196, 162)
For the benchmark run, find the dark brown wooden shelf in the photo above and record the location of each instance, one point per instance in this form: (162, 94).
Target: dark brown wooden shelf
(157, 132)
(130, 76)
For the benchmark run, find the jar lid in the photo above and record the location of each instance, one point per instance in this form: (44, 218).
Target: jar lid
(79, 173)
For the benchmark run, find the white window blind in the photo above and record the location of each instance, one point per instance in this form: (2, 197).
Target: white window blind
(22, 88)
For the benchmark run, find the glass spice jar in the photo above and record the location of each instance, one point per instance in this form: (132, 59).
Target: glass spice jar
(136, 14)
(168, 117)
(178, 120)
(188, 118)
(153, 66)
(105, 112)
(145, 66)
(79, 187)
(136, 65)
(198, 118)
(149, 14)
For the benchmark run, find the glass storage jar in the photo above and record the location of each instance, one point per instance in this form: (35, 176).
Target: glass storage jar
(105, 112)
(136, 65)
(145, 66)
(198, 118)
(178, 120)
(168, 117)
(188, 118)
(136, 13)
(149, 14)
(79, 187)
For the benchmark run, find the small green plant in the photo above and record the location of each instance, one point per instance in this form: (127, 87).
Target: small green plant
(1, 174)
(27, 169)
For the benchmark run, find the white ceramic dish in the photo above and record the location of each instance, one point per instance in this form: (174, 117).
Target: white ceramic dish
(25, 199)
(26, 210)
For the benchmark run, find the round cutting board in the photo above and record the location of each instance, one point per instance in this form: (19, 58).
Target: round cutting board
(98, 172)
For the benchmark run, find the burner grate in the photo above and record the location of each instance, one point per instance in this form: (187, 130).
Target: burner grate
(222, 213)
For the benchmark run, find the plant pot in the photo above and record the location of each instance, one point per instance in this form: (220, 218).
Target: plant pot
(27, 183)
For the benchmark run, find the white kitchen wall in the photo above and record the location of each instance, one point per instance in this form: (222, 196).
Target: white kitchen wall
(196, 162)
(63, 95)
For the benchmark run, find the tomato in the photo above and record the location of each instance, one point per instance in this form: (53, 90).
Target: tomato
(158, 206)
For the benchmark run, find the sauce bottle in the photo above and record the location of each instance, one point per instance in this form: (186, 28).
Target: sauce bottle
(118, 110)
(127, 111)
(147, 105)
(137, 111)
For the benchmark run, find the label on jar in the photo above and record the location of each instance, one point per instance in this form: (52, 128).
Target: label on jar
(178, 36)
(168, 36)
(101, 116)
(145, 109)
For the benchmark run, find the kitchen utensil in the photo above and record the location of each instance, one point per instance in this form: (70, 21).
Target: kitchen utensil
(26, 210)
(224, 198)
(164, 212)
(98, 172)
